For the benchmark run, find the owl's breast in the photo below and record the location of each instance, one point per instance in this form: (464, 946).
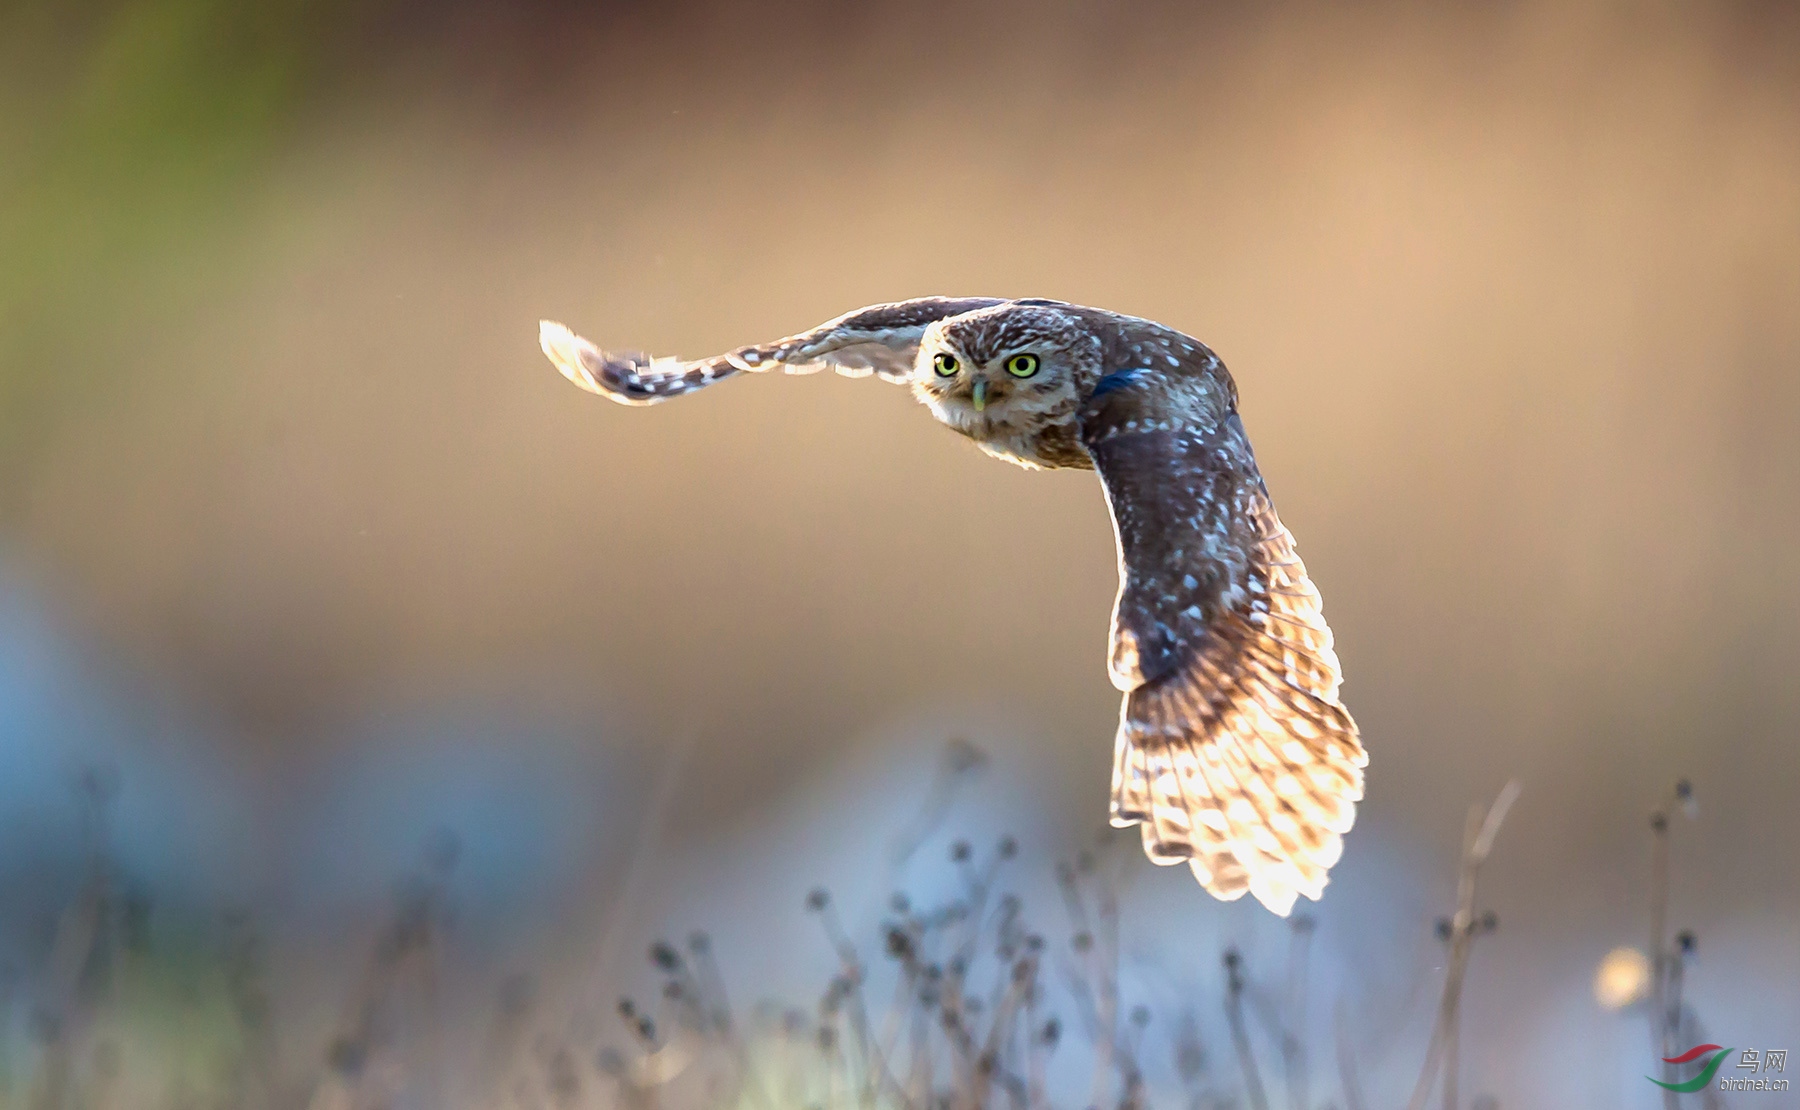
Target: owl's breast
(1043, 443)
(1038, 434)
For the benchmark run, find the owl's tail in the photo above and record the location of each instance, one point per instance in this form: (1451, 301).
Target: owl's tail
(629, 377)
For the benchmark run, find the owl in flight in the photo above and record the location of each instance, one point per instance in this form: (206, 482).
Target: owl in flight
(1233, 754)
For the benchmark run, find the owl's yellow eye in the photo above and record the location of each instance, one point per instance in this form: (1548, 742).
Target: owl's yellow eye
(945, 365)
(1022, 366)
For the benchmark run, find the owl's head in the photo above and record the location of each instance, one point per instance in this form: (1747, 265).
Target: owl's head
(1011, 365)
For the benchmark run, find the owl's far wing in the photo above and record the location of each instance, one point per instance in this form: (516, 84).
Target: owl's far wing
(1233, 752)
(881, 339)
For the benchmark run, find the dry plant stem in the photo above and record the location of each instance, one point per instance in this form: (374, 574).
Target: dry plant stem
(1279, 1019)
(1450, 1018)
(1346, 1057)
(988, 1066)
(900, 1012)
(1240, 1038)
(1096, 983)
(1293, 1048)
(1082, 985)
(957, 761)
(709, 982)
(918, 1080)
(1108, 949)
(78, 940)
(1106, 1014)
(643, 853)
(1659, 953)
(1452, 1057)
(1443, 1032)
(430, 1069)
(1034, 1055)
(875, 1071)
(1478, 841)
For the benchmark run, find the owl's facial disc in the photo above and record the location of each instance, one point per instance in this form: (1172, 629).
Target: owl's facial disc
(989, 385)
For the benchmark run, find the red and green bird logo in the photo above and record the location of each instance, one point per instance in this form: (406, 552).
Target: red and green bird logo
(1706, 1073)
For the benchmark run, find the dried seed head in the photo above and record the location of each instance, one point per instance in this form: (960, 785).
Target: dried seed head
(565, 1081)
(1684, 794)
(960, 756)
(899, 944)
(347, 1055)
(664, 956)
(817, 899)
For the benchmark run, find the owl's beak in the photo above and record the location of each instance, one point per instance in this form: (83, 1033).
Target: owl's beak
(980, 394)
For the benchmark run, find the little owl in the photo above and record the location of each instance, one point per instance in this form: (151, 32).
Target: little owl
(1233, 754)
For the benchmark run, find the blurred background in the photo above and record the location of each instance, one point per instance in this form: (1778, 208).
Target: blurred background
(315, 577)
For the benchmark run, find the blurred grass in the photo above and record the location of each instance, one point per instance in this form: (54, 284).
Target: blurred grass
(130, 133)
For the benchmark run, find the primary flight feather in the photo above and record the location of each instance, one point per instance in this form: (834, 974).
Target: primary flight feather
(1234, 754)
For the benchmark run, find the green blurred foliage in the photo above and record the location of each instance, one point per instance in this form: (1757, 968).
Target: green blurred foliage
(165, 1022)
(130, 133)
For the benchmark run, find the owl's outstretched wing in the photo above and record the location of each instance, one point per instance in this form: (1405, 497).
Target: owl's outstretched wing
(881, 339)
(1234, 752)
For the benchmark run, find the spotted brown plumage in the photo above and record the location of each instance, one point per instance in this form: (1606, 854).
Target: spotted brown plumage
(1234, 753)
